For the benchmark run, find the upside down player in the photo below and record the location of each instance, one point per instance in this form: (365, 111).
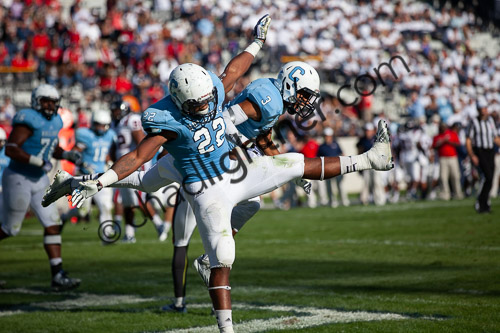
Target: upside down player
(254, 112)
(190, 125)
(30, 146)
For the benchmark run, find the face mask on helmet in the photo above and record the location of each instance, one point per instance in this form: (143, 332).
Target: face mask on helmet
(299, 88)
(193, 92)
(100, 129)
(119, 109)
(46, 100)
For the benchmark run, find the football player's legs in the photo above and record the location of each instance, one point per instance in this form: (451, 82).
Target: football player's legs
(49, 218)
(151, 180)
(17, 195)
(104, 202)
(184, 223)
(213, 215)
(243, 212)
(264, 174)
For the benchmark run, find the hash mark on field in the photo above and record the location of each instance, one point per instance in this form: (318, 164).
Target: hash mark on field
(303, 317)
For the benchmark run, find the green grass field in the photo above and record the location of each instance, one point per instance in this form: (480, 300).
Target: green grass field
(411, 267)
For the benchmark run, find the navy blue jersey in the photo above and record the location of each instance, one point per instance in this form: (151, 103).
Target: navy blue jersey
(332, 149)
(200, 152)
(41, 144)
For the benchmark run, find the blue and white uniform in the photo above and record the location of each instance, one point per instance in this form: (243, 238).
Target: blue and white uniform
(265, 94)
(24, 184)
(200, 152)
(4, 162)
(95, 150)
(220, 183)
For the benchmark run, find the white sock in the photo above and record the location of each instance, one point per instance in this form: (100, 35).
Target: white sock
(168, 226)
(129, 230)
(157, 221)
(179, 302)
(224, 320)
(354, 163)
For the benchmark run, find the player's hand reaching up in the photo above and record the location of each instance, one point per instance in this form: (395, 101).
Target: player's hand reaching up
(260, 29)
(86, 190)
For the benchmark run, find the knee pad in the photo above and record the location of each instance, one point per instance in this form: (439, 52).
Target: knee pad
(225, 251)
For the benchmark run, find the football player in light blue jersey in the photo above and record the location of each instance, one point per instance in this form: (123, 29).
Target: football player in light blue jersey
(95, 145)
(33, 141)
(255, 111)
(4, 162)
(194, 97)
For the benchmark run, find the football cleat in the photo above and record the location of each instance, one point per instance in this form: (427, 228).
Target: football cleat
(380, 155)
(129, 240)
(61, 282)
(202, 266)
(174, 309)
(162, 232)
(63, 184)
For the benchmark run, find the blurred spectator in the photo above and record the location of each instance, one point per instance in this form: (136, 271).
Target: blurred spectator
(329, 189)
(446, 143)
(373, 187)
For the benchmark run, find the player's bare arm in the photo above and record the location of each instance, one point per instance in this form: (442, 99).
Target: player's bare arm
(144, 152)
(240, 64)
(266, 144)
(13, 149)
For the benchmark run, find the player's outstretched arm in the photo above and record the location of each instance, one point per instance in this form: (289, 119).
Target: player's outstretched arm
(241, 63)
(123, 167)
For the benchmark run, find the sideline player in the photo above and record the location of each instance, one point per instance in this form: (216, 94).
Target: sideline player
(129, 133)
(95, 144)
(250, 115)
(30, 146)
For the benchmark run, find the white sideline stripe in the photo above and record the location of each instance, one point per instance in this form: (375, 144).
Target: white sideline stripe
(10, 313)
(87, 300)
(304, 318)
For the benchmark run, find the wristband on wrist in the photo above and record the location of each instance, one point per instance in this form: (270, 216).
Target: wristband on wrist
(36, 161)
(108, 178)
(254, 47)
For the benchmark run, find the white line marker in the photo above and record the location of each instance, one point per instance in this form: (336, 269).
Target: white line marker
(304, 317)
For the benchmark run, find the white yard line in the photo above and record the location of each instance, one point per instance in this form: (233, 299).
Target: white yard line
(303, 318)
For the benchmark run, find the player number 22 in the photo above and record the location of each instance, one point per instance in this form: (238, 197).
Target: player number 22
(206, 146)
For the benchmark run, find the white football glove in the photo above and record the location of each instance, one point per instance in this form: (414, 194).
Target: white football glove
(260, 29)
(86, 190)
(304, 184)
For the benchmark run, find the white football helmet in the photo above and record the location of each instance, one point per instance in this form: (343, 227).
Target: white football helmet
(102, 117)
(193, 92)
(299, 87)
(3, 138)
(45, 91)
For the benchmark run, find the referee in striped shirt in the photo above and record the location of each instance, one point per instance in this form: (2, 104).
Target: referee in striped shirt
(482, 134)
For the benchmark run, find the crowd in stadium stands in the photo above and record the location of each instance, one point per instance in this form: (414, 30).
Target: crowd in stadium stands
(132, 49)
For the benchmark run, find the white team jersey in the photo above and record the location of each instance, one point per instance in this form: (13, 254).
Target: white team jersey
(409, 150)
(128, 124)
